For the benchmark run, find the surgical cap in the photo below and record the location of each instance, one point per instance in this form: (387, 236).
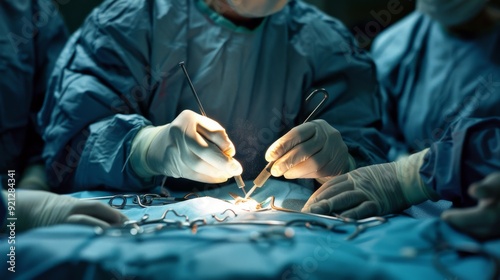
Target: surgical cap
(451, 12)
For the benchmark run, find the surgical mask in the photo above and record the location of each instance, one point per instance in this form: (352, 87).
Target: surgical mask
(256, 8)
(451, 12)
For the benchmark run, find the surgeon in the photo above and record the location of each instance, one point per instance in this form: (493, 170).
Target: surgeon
(121, 114)
(33, 34)
(436, 66)
(468, 152)
(435, 97)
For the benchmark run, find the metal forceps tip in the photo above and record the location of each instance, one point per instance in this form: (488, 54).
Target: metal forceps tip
(266, 172)
(182, 64)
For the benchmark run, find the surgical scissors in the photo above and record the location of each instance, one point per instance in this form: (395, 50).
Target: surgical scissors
(261, 179)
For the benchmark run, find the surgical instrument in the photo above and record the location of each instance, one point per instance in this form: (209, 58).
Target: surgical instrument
(359, 225)
(226, 217)
(119, 201)
(239, 181)
(246, 203)
(230, 218)
(442, 249)
(266, 172)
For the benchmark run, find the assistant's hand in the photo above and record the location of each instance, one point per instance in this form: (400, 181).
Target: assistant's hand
(310, 150)
(39, 208)
(481, 221)
(373, 190)
(192, 147)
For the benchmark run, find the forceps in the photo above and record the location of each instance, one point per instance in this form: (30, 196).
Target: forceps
(266, 172)
(360, 226)
(238, 179)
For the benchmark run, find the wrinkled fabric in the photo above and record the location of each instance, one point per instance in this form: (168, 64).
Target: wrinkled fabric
(120, 72)
(431, 80)
(3, 207)
(387, 251)
(468, 152)
(451, 12)
(32, 34)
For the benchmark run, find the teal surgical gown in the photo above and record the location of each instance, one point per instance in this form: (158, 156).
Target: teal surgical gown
(435, 87)
(32, 34)
(468, 151)
(120, 73)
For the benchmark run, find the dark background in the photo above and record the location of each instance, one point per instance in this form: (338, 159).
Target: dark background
(364, 18)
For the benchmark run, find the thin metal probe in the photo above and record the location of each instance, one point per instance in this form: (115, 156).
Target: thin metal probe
(239, 181)
(183, 66)
(266, 172)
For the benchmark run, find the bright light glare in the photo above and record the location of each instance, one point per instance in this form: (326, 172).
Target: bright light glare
(248, 204)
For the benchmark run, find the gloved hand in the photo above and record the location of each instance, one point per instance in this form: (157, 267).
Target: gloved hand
(481, 221)
(192, 147)
(373, 190)
(39, 208)
(310, 150)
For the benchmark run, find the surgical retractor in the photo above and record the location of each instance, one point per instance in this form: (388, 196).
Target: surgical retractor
(239, 181)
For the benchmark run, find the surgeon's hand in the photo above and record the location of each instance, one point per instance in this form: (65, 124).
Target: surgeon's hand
(481, 221)
(192, 147)
(373, 190)
(310, 150)
(39, 208)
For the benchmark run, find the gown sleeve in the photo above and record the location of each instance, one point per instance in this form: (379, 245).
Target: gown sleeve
(96, 102)
(468, 152)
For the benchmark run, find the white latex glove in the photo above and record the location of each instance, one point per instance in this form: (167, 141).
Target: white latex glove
(483, 220)
(310, 150)
(192, 147)
(373, 190)
(39, 208)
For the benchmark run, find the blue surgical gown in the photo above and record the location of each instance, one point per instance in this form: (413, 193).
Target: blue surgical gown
(431, 80)
(120, 72)
(468, 151)
(32, 34)
(3, 209)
